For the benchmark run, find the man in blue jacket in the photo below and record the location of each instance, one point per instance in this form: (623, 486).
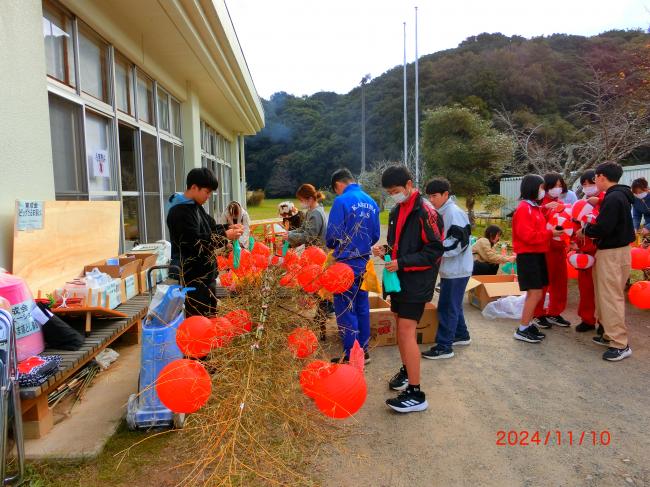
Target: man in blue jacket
(352, 229)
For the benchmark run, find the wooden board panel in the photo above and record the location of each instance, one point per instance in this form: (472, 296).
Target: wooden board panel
(75, 233)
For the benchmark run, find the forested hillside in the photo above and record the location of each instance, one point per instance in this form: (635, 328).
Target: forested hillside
(540, 80)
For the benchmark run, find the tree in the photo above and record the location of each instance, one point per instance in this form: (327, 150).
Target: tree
(461, 146)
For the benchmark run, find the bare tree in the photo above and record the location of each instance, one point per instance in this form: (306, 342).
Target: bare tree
(615, 122)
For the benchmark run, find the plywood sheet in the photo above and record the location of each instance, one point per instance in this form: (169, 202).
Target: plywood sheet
(75, 233)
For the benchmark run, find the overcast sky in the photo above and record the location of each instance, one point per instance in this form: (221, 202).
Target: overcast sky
(305, 46)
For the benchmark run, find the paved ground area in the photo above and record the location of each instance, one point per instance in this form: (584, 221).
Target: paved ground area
(498, 384)
(94, 419)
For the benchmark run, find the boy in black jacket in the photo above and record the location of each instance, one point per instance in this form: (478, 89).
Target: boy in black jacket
(195, 237)
(415, 235)
(613, 232)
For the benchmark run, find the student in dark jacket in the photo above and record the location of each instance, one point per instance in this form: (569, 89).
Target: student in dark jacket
(415, 235)
(613, 232)
(195, 237)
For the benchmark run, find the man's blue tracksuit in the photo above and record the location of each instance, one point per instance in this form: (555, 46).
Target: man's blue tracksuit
(352, 229)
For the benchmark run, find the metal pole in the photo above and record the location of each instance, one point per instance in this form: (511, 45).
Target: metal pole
(363, 127)
(417, 117)
(405, 107)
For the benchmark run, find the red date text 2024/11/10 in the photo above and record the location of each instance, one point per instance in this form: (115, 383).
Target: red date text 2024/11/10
(553, 438)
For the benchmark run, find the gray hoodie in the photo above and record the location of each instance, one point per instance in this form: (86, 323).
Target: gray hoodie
(457, 261)
(312, 231)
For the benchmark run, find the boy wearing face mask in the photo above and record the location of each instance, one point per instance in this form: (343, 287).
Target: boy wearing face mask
(585, 245)
(352, 229)
(641, 206)
(455, 270)
(415, 246)
(555, 259)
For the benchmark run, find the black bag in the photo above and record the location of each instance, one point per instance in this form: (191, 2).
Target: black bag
(58, 334)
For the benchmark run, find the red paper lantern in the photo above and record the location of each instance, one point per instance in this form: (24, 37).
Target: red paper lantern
(224, 332)
(308, 278)
(342, 393)
(261, 249)
(195, 336)
(288, 280)
(260, 262)
(222, 263)
(184, 386)
(312, 374)
(302, 342)
(241, 321)
(571, 272)
(583, 211)
(291, 260)
(227, 279)
(563, 221)
(314, 255)
(276, 260)
(640, 258)
(245, 260)
(639, 294)
(337, 278)
(581, 261)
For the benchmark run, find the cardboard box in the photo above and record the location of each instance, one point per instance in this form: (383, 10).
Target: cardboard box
(130, 287)
(125, 267)
(484, 289)
(147, 259)
(383, 325)
(427, 328)
(142, 279)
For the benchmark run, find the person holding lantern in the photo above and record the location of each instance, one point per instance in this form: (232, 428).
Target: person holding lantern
(613, 232)
(531, 241)
(195, 237)
(586, 245)
(558, 281)
(415, 234)
(353, 228)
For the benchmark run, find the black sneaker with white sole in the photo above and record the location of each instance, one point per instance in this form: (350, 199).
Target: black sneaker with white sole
(600, 340)
(408, 402)
(558, 321)
(615, 354)
(542, 322)
(435, 353)
(366, 358)
(533, 329)
(400, 381)
(527, 335)
(462, 340)
(583, 327)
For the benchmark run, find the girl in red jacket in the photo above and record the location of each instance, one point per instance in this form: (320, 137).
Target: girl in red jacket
(558, 281)
(530, 241)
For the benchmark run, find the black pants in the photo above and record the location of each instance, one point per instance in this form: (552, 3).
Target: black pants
(484, 269)
(203, 300)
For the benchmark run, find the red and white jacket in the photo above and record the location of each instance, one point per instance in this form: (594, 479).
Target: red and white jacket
(529, 232)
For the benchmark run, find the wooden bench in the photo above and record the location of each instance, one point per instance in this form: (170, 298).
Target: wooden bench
(38, 419)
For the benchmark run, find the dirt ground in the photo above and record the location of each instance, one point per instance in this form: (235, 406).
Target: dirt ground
(499, 384)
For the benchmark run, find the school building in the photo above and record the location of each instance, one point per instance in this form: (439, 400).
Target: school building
(117, 100)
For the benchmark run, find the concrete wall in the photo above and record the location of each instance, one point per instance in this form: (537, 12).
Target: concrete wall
(25, 150)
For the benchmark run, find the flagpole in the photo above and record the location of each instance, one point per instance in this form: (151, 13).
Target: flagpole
(417, 116)
(405, 105)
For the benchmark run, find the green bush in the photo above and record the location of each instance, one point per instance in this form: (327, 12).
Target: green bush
(492, 203)
(254, 198)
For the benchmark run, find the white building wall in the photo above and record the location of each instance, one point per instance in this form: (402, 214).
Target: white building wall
(25, 150)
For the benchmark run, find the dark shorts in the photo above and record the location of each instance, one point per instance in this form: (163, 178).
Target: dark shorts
(531, 271)
(409, 311)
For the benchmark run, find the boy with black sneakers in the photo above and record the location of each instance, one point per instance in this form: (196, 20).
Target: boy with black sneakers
(455, 270)
(530, 241)
(613, 232)
(415, 246)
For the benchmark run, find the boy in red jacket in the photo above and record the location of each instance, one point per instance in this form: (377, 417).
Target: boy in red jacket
(530, 241)
(555, 260)
(585, 245)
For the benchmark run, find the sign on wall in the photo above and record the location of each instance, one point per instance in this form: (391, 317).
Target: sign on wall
(29, 215)
(101, 166)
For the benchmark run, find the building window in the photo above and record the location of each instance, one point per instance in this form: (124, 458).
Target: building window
(93, 64)
(131, 196)
(163, 110)
(167, 163)
(124, 97)
(102, 173)
(179, 168)
(145, 99)
(151, 187)
(65, 132)
(59, 46)
(176, 118)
